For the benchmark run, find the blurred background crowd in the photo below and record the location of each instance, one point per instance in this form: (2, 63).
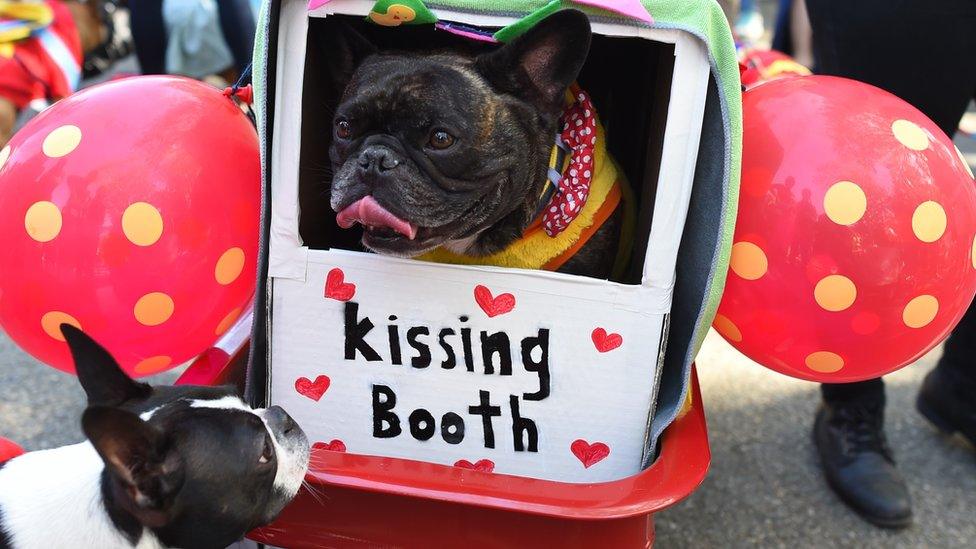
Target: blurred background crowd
(50, 48)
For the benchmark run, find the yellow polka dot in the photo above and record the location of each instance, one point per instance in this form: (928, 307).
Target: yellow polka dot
(51, 323)
(5, 154)
(748, 260)
(845, 203)
(962, 158)
(229, 266)
(835, 293)
(142, 224)
(929, 221)
(824, 362)
(227, 321)
(910, 135)
(727, 328)
(920, 311)
(153, 309)
(61, 141)
(152, 365)
(43, 221)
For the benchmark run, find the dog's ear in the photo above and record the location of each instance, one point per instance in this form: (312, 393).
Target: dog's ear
(343, 49)
(137, 456)
(100, 375)
(539, 65)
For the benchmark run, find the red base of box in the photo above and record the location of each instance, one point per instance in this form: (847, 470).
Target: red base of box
(355, 518)
(354, 501)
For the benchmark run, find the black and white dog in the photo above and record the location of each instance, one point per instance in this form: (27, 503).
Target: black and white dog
(188, 467)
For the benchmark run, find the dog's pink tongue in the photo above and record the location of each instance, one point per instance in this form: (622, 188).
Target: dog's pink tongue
(367, 211)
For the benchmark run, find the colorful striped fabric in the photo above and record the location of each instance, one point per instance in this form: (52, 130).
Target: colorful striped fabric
(40, 51)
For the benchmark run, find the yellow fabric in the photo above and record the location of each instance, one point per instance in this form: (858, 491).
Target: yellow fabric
(781, 66)
(536, 249)
(32, 15)
(627, 228)
(687, 404)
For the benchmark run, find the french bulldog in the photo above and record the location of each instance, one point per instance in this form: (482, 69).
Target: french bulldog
(189, 467)
(452, 149)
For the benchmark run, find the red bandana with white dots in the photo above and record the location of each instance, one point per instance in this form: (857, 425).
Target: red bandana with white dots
(579, 136)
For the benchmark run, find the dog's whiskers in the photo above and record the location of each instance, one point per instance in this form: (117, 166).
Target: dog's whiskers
(315, 492)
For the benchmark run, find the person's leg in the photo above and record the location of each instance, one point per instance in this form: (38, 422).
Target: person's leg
(854, 452)
(801, 34)
(238, 26)
(923, 51)
(959, 356)
(870, 392)
(948, 394)
(149, 35)
(782, 37)
(960, 369)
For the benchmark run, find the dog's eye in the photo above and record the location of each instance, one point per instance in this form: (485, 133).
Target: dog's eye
(440, 139)
(267, 454)
(343, 129)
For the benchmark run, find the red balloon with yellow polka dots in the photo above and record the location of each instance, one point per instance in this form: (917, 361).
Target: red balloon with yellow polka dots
(131, 210)
(854, 249)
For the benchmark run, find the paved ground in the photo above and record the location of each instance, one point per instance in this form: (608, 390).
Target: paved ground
(41, 407)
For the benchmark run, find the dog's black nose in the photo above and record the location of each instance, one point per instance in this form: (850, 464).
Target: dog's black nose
(279, 420)
(378, 159)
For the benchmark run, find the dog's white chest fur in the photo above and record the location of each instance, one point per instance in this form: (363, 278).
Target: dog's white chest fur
(52, 498)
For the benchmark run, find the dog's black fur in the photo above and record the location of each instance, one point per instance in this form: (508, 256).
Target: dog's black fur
(499, 111)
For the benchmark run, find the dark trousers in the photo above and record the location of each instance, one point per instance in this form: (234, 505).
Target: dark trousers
(782, 33)
(149, 32)
(923, 51)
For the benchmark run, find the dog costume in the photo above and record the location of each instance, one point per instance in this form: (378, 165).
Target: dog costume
(584, 189)
(40, 51)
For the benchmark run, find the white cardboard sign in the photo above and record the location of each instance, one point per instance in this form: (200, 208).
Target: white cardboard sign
(546, 376)
(377, 352)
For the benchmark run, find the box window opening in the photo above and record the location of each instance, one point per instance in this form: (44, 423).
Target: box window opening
(629, 80)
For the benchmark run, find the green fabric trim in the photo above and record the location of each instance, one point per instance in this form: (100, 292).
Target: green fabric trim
(522, 25)
(259, 77)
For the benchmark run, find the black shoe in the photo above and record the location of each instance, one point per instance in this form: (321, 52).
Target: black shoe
(948, 404)
(858, 464)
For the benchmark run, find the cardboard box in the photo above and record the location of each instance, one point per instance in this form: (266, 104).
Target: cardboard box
(529, 373)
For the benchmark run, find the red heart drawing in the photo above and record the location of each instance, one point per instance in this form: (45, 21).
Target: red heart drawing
(483, 465)
(493, 306)
(336, 287)
(334, 446)
(589, 454)
(312, 389)
(606, 342)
